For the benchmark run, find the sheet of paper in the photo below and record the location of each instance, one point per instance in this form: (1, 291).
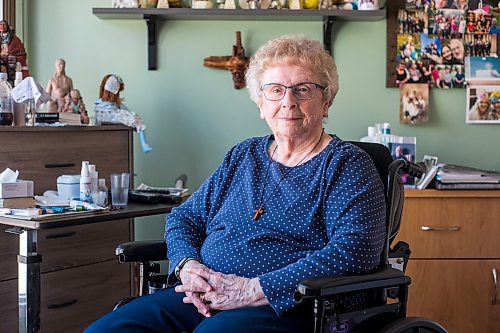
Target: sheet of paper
(8, 176)
(29, 89)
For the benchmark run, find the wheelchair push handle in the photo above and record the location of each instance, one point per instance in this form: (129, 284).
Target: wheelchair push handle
(413, 169)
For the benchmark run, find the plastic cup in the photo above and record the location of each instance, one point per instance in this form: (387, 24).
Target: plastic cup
(119, 188)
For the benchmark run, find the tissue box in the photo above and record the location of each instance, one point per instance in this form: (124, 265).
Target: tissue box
(20, 188)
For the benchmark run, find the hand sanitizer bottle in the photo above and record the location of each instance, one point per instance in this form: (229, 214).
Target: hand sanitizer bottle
(85, 183)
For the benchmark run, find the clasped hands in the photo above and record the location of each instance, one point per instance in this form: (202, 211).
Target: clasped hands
(210, 290)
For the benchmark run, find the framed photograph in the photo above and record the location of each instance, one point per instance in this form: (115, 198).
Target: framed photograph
(480, 45)
(447, 23)
(483, 104)
(482, 70)
(409, 47)
(448, 76)
(414, 103)
(406, 149)
(415, 22)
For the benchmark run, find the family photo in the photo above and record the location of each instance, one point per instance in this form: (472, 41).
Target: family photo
(483, 104)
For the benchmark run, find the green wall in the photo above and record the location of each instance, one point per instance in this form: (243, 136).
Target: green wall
(193, 114)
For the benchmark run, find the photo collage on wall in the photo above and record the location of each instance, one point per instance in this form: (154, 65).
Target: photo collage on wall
(447, 44)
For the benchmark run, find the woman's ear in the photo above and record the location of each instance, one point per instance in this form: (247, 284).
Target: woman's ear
(261, 114)
(259, 105)
(325, 109)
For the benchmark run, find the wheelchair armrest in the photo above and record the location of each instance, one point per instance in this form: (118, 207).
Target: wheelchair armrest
(142, 251)
(321, 287)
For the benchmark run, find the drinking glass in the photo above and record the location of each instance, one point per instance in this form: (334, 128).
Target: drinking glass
(119, 188)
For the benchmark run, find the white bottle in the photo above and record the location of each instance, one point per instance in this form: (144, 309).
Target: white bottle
(386, 137)
(85, 183)
(6, 108)
(372, 135)
(94, 178)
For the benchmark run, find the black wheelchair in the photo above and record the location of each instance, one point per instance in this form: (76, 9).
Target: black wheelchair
(385, 290)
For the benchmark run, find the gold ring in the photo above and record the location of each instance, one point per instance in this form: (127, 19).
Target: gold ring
(202, 297)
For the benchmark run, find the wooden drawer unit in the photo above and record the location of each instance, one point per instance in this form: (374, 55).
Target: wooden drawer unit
(455, 254)
(70, 303)
(78, 263)
(43, 154)
(71, 299)
(81, 245)
(66, 247)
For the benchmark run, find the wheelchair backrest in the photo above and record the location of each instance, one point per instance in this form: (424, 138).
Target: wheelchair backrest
(393, 189)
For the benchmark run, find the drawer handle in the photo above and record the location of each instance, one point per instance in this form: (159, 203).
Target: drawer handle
(61, 305)
(63, 235)
(494, 297)
(59, 165)
(427, 228)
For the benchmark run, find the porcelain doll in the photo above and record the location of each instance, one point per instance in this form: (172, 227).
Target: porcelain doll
(110, 109)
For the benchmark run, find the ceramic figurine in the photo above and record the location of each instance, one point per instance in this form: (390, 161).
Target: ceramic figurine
(74, 103)
(58, 87)
(125, 4)
(229, 4)
(11, 52)
(163, 4)
(110, 109)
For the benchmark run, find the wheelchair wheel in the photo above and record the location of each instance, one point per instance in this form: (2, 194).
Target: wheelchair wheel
(413, 325)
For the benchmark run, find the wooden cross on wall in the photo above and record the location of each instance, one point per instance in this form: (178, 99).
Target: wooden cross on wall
(236, 63)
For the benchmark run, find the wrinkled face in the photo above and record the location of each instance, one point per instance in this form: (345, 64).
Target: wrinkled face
(457, 48)
(292, 117)
(3, 27)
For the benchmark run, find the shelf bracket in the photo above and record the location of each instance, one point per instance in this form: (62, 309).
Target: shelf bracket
(152, 48)
(327, 33)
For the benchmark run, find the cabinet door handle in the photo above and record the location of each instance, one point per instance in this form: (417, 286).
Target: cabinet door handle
(494, 296)
(427, 228)
(62, 235)
(59, 165)
(61, 305)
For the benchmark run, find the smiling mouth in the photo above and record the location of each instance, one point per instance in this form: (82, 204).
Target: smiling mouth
(289, 119)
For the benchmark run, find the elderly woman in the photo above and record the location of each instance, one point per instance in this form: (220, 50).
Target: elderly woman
(281, 208)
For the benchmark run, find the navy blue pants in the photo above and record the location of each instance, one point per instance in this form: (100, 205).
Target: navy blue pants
(165, 312)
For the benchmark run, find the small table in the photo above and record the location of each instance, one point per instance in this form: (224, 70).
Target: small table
(29, 259)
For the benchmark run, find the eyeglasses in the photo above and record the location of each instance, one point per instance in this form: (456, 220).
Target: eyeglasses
(303, 90)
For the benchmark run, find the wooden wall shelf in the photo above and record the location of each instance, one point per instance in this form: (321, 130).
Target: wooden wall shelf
(152, 15)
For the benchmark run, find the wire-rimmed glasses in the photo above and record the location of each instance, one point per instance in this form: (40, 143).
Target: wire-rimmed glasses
(303, 90)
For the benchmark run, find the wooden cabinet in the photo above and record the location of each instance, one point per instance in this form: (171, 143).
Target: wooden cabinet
(81, 279)
(453, 236)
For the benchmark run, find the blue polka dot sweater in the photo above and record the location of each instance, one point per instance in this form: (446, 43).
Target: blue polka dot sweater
(326, 217)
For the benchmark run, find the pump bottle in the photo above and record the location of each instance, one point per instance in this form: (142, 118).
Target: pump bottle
(85, 183)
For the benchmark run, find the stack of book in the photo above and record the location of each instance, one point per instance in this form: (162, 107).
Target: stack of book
(23, 202)
(69, 118)
(47, 117)
(458, 177)
(18, 194)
